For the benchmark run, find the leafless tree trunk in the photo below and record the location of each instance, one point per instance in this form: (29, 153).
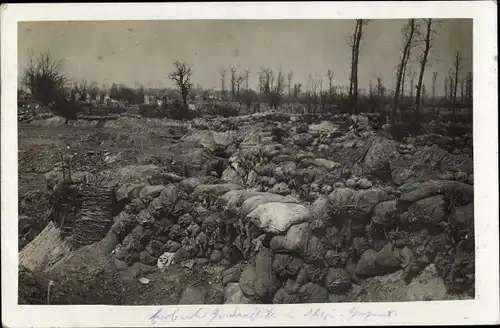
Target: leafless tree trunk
(246, 77)
(355, 44)
(239, 81)
(329, 74)
(462, 90)
(403, 82)
(409, 33)
(450, 86)
(223, 83)
(261, 75)
(469, 90)
(423, 96)
(434, 79)
(446, 89)
(458, 60)
(423, 63)
(289, 78)
(233, 83)
(181, 75)
(273, 87)
(412, 75)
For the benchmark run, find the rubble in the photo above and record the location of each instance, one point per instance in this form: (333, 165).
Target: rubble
(329, 211)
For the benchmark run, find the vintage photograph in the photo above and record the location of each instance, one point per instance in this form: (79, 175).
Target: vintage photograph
(245, 161)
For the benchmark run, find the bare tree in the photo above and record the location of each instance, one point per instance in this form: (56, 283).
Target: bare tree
(289, 78)
(355, 44)
(223, 82)
(434, 79)
(469, 90)
(297, 91)
(233, 83)
(280, 87)
(239, 81)
(446, 88)
(44, 78)
(412, 75)
(261, 76)
(462, 90)
(380, 87)
(246, 76)
(181, 75)
(458, 60)
(423, 63)
(408, 41)
(330, 75)
(423, 97)
(450, 85)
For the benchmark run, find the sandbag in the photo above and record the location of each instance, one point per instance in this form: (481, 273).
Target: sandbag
(295, 240)
(413, 192)
(365, 200)
(386, 260)
(428, 210)
(315, 251)
(189, 184)
(234, 295)
(381, 152)
(366, 264)
(287, 265)
(151, 191)
(338, 281)
(315, 273)
(276, 218)
(264, 277)
(340, 197)
(282, 297)
(214, 189)
(253, 202)
(385, 212)
(231, 275)
(129, 191)
(313, 293)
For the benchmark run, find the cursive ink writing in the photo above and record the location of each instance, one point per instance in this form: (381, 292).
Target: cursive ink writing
(319, 313)
(353, 312)
(175, 316)
(213, 315)
(216, 315)
(257, 313)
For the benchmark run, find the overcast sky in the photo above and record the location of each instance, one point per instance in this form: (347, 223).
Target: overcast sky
(142, 52)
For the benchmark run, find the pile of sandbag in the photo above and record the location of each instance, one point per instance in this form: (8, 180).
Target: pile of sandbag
(305, 254)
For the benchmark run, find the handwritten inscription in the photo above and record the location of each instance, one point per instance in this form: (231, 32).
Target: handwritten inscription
(211, 316)
(216, 314)
(331, 314)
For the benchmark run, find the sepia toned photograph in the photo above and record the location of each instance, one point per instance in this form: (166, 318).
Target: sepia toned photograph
(249, 164)
(245, 161)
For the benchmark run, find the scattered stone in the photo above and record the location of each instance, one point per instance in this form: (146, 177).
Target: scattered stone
(144, 281)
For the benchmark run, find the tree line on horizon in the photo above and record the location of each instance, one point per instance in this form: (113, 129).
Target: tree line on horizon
(47, 82)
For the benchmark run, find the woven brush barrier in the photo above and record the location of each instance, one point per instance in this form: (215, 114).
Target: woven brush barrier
(84, 212)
